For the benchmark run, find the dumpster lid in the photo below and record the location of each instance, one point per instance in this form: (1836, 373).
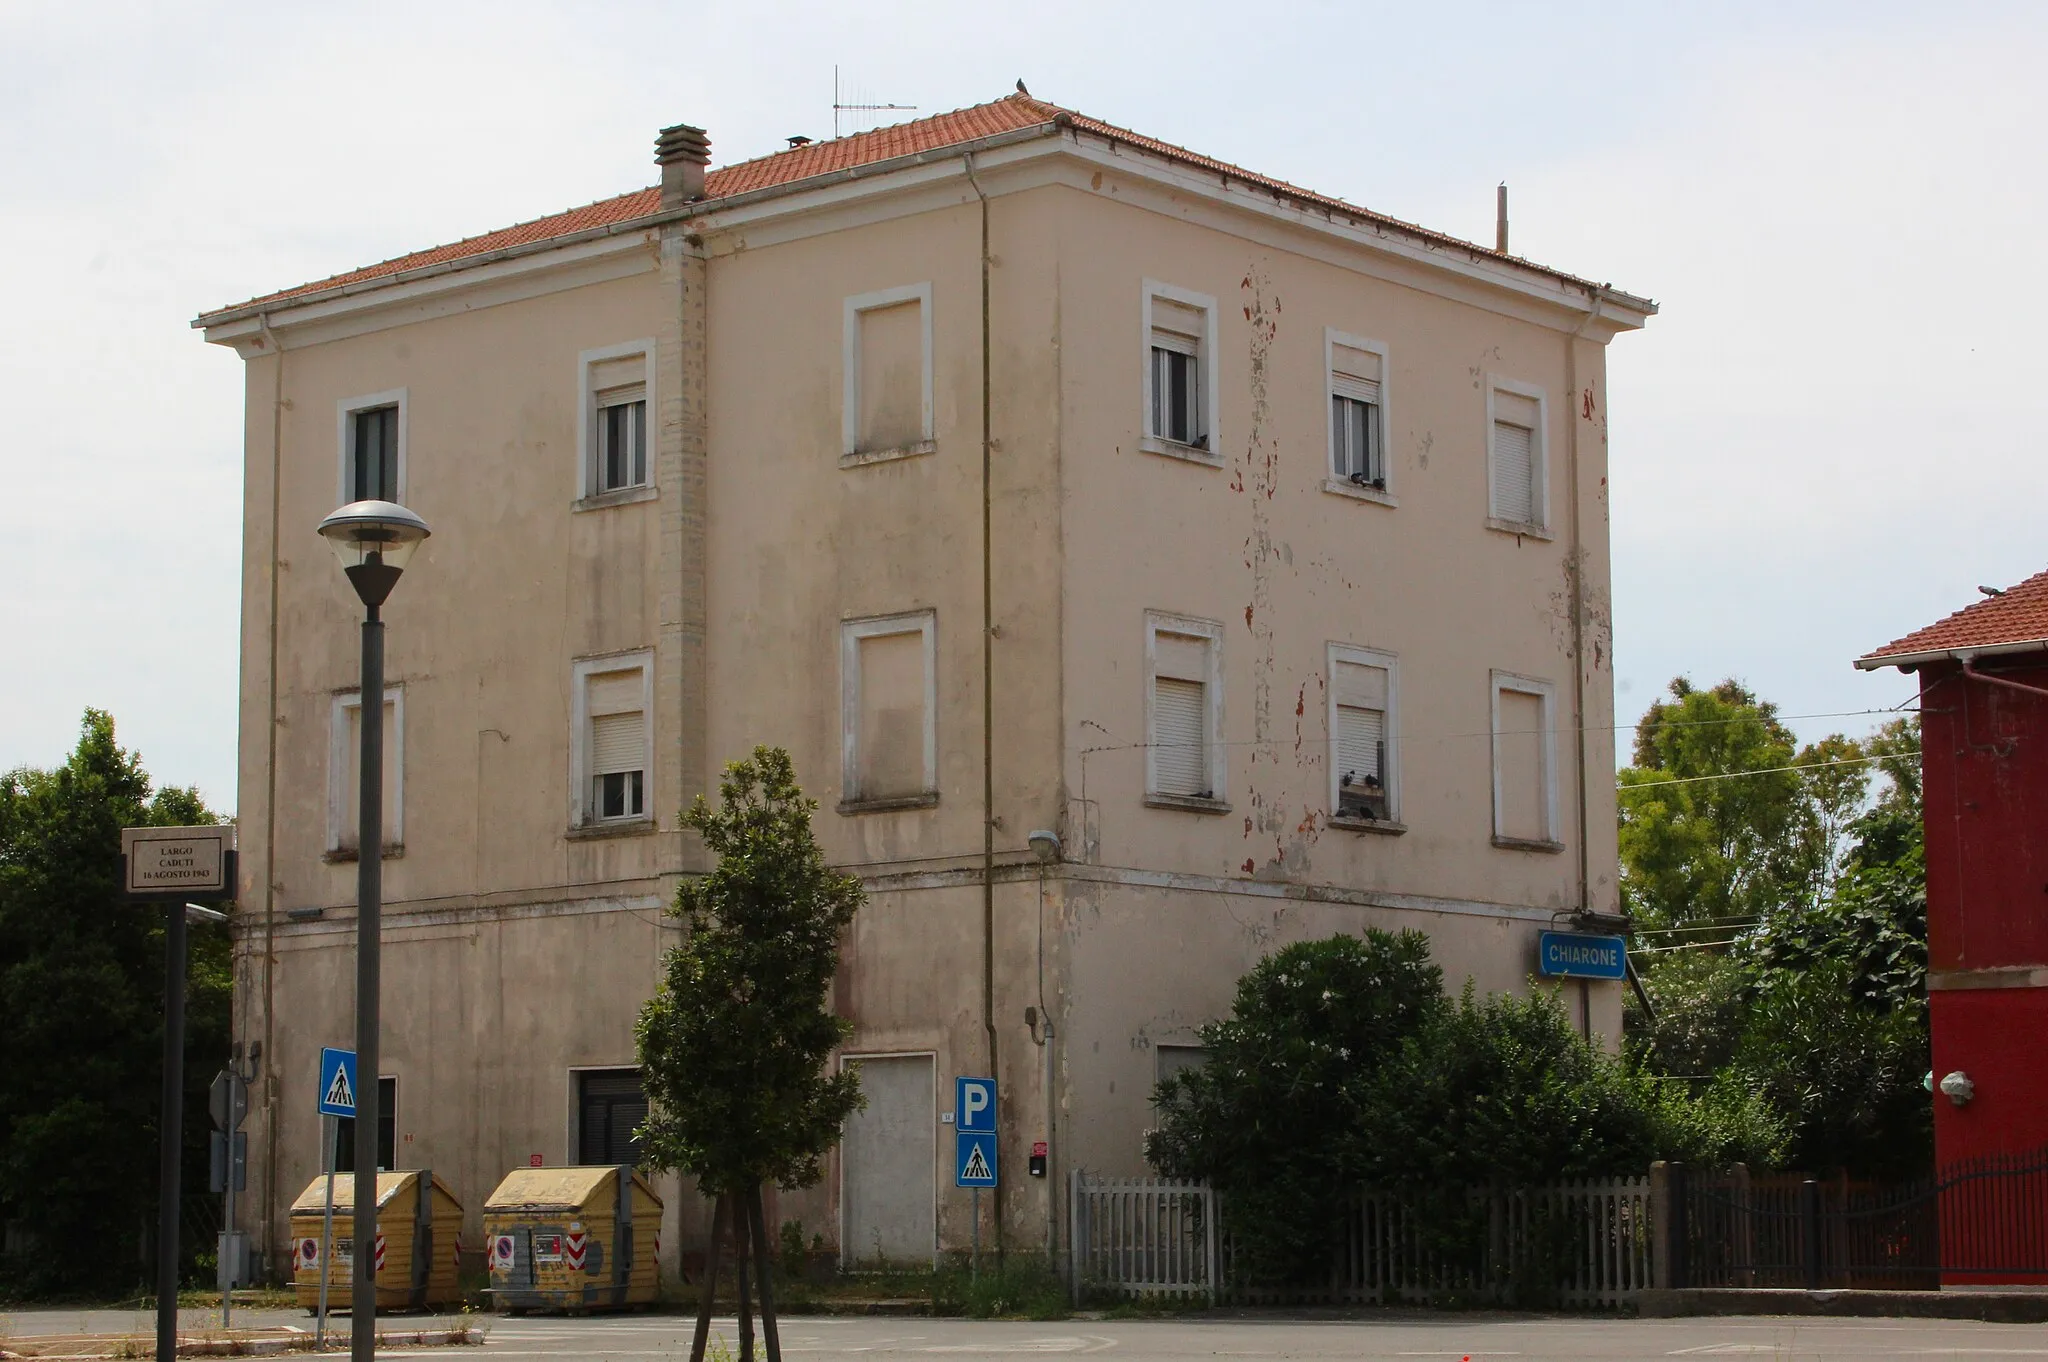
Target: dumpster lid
(554, 1187)
(389, 1184)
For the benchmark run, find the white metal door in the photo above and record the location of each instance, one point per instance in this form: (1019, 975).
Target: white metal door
(887, 1207)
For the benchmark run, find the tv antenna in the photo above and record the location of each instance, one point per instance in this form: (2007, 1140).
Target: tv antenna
(841, 107)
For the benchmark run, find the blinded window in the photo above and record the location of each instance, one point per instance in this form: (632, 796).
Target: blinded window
(891, 359)
(1178, 413)
(1516, 420)
(373, 454)
(352, 787)
(1180, 752)
(611, 1106)
(1519, 744)
(618, 743)
(890, 740)
(617, 375)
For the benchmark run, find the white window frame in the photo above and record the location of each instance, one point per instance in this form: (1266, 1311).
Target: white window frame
(1390, 777)
(344, 488)
(1546, 692)
(337, 772)
(924, 623)
(1159, 622)
(582, 809)
(1539, 457)
(1334, 480)
(588, 497)
(1206, 363)
(850, 452)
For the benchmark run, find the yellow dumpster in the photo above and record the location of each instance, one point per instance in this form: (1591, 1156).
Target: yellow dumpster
(572, 1238)
(418, 1240)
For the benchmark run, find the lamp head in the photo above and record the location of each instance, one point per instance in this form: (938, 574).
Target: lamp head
(1045, 844)
(374, 541)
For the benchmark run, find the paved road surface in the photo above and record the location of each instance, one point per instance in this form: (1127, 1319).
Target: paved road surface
(1446, 1337)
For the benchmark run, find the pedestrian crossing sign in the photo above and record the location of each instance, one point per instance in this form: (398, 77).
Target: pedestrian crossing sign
(337, 1082)
(975, 1162)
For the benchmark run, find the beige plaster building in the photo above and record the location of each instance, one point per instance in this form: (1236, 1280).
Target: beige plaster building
(1017, 473)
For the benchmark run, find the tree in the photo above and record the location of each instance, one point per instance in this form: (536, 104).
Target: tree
(82, 970)
(734, 1045)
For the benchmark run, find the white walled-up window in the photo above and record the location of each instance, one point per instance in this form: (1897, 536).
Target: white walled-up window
(1184, 755)
(1524, 765)
(613, 740)
(344, 785)
(887, 354)
(889, 695)
(1363, 756)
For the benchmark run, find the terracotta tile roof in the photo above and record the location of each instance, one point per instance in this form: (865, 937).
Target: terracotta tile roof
(1012, 113)
(2019, 615)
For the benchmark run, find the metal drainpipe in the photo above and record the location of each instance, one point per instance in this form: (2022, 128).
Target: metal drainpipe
(270, 800)
(1970, 670)
(988, 704)
(1578, 571)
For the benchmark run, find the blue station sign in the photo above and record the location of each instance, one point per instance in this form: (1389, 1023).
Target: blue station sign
(1576, 955)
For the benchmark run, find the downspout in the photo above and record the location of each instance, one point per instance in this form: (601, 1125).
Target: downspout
(988, 703)
(1578, 571)
(270, 797)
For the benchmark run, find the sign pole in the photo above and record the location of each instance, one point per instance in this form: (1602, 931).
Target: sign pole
(227, 1215)
(329, 1136)
(975, 1270)
(170, 1141)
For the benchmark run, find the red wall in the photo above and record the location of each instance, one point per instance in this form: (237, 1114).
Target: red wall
(1999, 1037)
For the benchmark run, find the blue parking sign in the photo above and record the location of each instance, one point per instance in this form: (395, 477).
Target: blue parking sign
(974, 1104)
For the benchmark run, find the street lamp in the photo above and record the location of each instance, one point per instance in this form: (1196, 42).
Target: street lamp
(374, 540)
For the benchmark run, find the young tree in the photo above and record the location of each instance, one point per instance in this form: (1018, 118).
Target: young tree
(734, 1045)
(82, 970)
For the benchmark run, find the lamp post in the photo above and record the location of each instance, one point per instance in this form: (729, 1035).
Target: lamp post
(374, 540)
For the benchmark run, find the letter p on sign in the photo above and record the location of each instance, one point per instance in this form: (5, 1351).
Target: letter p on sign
(975, 1104)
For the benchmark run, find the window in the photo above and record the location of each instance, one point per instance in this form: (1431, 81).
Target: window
(613, 740)
(1362, 751)
(1357, 384)
(610, 1108)
(1180, 378)
(887, 357)
(1517, 488)
(1177, 1059)
(387, 1132)
(344, 778)
(1524, 769)
(617, 383)
(888, 703)
(1184, 764)
(372, 437)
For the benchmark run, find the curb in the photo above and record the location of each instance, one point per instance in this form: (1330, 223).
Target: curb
(132, 1346)
(1998, 1307)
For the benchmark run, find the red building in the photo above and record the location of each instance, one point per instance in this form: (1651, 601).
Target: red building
(1984, 761)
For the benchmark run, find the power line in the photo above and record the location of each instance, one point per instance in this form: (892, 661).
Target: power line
(1759, 771)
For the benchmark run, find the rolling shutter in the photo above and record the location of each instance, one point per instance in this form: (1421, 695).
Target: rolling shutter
(1515, 449)
(1180, 753)
(1361, 738)
(618, 723)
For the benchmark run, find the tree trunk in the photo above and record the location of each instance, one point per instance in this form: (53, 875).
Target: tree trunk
(740, 1239)
(762, 1272)
(719, 1216)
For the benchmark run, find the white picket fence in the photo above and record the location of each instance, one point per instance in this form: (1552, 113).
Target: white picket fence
(1142, 1236)
(1585, 1244)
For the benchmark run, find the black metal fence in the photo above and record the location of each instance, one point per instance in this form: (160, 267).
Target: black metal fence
(1982, 1219)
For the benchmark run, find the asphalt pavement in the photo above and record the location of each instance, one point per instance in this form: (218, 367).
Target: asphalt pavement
(1453, 1337)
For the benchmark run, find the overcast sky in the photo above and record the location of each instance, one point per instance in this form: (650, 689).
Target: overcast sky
(1831, 435)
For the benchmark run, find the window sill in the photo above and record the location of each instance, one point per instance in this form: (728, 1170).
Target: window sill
(861, 457)
(1384, 826)
(1173, 449)
(1518, 529)
(1528, 844)
(928, 799)
(1344, 487)
(622, 496)
(623, 827)
(1187, 803)
(347, 855)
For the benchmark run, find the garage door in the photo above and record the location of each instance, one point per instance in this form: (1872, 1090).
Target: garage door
(887, 1209)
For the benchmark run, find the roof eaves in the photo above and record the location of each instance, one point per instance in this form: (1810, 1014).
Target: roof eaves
(696, 209)
(1962, 652)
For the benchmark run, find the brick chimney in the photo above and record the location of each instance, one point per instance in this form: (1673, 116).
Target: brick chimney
(682, 152)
